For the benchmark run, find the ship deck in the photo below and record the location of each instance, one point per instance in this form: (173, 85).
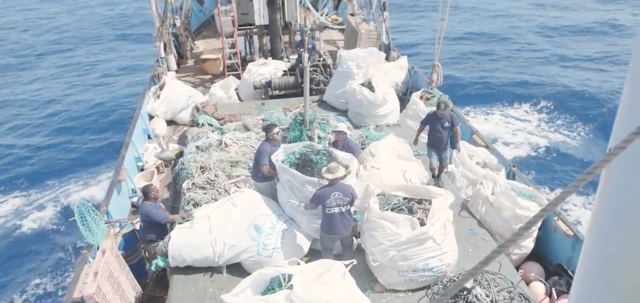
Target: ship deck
(208, 284)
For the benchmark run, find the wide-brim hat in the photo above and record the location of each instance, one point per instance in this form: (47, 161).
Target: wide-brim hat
(333, 171)
(341, 127)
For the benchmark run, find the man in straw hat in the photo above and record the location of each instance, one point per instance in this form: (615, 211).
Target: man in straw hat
(440, 123)
(342, 142)
(336, 199)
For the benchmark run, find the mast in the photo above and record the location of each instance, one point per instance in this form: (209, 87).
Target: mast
(275, 30)
(609, 262)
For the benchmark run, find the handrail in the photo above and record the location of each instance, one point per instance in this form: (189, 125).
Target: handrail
(104, 205)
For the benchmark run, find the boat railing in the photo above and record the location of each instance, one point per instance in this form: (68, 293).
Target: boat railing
(419, 81)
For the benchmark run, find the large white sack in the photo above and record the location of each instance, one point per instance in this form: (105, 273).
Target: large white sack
(224, 91)
(322, 281)
(410, 119)
(391, 161)
(261, 69)
(471, 164)
(372, 108)
(362, 57)
(401, 254)
(500, 208)
(337, 92)
(245, 227)
(295, 189)
(397, 73)
(176, 101)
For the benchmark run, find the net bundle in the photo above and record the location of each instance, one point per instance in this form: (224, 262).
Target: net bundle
(309, 160)
(417, 208)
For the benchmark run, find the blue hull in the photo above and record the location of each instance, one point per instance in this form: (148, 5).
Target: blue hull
(558, 241)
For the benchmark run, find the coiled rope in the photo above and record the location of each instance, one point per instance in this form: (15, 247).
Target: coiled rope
(437, 73)
(519, 234)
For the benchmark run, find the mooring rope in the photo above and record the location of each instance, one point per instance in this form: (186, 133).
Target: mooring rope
(437, 73)
(519, 234)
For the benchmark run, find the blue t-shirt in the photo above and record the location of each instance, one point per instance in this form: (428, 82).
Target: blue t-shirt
(153, 222)
(439, 129)
(348, 146)
(336, 201)
(263, 157)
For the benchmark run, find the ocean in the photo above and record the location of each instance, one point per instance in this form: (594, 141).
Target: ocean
(540, 79)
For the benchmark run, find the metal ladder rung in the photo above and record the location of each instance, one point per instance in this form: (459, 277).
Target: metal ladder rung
(231, 50)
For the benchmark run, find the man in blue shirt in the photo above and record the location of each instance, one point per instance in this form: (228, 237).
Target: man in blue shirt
(342, 142)
(311, 48)
(263, 171)
(440, 123)
(336, 200)
(153, 220)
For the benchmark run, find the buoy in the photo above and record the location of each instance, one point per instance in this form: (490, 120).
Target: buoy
(563, 299)
(531, 271)
(539, 292)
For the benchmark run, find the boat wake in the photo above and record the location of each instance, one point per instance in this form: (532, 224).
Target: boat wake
(523, 131)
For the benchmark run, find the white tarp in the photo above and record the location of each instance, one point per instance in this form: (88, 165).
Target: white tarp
(322, 281)
(390, 161)
(503, 206)
(245, 227)
(259, 70)
(176, 101)
(401, 254)
(224, 91)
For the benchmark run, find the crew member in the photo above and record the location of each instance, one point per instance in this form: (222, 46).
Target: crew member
(342, 142)
(263, 171)
(153, 220)
(336, 199)
(311, 49)
(440, 123)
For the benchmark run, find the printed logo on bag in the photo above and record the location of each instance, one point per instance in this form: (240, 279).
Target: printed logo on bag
(337, 203)
(429, 270)
(267, 231)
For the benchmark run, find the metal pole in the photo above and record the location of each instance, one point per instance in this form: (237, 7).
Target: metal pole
(608, 265)
(306, 88)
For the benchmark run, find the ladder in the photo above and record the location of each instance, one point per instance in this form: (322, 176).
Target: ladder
(231, 58)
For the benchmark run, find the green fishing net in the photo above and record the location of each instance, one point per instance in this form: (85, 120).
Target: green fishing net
(431, 96)
(274, 115)
(417, 208)
(278, 283)
(366, 136)
(525, 195)
(319, 130)
(309, 160)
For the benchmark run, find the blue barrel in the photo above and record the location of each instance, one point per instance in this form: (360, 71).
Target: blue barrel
(133, 254)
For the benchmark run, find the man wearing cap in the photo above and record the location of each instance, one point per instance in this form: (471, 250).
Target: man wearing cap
(336, 199)
(263, 171)
(342, 142)
(440, 123)
(153, 220)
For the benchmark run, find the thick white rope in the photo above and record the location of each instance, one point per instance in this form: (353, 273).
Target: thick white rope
(437, 73)
(519, 234)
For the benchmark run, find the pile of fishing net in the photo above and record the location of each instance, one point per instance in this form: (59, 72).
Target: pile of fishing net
(320, 128)
(417, 208)
(216, 163)
(309, 160)
(278, 283)
(431, 96)
(367, 135)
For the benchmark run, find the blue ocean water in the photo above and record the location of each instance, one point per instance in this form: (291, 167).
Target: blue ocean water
(541, 79)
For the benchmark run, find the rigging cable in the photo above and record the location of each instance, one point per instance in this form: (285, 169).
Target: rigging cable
(519, 234)
(437, 73)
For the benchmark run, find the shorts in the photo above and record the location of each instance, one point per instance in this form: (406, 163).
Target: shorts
(438, 158)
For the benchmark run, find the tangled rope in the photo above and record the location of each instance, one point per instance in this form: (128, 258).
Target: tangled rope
(278, 283)
(319, 130)
(431, 96)
(417, 208)
(488, 286)
(309, 160)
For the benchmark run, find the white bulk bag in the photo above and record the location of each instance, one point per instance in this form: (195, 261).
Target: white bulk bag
(397, 73)
(245, 227)
(337, 93)
(259, 70)
(372, 108)
(176, 101)
(400, 253)
(224, 91)
(500, 209)
(471, 164)
(295, 189)
(322, 281)
(362, 57)
(410, 119)
(391, 161)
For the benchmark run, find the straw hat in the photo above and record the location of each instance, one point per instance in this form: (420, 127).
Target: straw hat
(333, 171)
(341, 127)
